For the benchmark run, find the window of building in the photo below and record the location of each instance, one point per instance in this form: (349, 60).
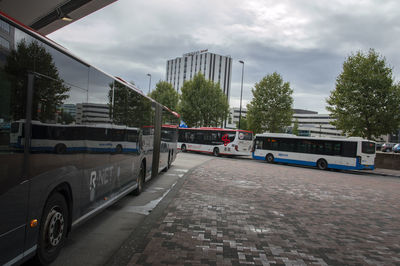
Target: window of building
(4, 26)
(4, 43)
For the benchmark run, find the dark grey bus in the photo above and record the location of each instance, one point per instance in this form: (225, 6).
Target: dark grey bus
(73, 140)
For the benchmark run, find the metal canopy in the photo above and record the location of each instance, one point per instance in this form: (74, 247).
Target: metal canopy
(45, 16)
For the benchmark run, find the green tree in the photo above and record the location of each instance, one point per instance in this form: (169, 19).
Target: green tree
(203, 103)
(295, 129)
(128, 107)
(243, 123)
(166, 95)
(65, 118)
(365, 101)
(49, 89)
(271, 106)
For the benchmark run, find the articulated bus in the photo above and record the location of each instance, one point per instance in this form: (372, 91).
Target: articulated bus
(59, 164)
(346, 154)
(216, 141)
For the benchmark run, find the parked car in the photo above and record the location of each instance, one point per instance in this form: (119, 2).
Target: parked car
(396, 148)
(387, 146)
(378, 146)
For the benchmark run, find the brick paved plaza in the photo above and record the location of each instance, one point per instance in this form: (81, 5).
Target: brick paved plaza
(244, 212)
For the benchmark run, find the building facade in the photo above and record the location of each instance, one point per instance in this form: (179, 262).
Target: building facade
(233, 118)
(214, 67)
(313, 124)
(92, 113)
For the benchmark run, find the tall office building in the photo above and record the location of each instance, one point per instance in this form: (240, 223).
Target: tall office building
(214, 67)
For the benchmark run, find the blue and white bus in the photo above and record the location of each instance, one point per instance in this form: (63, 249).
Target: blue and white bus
(337, 153)
(60, 139)
(61, 164)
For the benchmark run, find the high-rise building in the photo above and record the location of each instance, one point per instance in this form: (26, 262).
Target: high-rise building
(92, 113)
(214, 67)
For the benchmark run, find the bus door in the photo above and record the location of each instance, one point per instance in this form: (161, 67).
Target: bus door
(244, 141)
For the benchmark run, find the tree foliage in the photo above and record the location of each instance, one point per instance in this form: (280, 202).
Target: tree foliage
(295, 129)
(128, 107)
(203, 103)
(49, 93)
(243, 124)
(271, 106)
(166, 95)
(365, 101)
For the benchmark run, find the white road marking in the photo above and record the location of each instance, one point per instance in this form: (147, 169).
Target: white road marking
(146, 209)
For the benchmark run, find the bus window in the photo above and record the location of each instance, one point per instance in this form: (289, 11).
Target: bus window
(349, 149)
(199, 137)
(259, 144)
(368, 147)
(336, 148)
(245, 135)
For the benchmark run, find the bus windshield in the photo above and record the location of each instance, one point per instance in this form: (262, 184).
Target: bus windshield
(245, 135)
(368, 147)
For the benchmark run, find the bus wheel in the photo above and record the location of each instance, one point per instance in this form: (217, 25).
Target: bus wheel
(140, 180)
(216, 152)
(118, 149)
(183, 148)
(53, 229)
(269, 158)
(60, 148)
(322, 164)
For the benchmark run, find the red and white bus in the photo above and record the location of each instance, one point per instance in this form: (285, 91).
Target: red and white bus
(216, 141)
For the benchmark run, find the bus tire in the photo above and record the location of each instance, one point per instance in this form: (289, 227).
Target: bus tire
(216, 152)
(322, 164)
(53, 229)
(60, 148)
(140, 180)
(269, 158)
(118, 148)
(183, 148)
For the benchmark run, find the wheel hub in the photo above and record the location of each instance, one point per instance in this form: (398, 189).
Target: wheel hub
(55, 227)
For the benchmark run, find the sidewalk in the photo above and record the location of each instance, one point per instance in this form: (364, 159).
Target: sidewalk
(387, 172)
(240, 212)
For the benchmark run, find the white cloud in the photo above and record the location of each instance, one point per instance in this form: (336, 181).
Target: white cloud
(305, 41)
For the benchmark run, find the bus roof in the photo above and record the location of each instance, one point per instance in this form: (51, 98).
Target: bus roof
(215, 129)
(99, 125)
(283, 135)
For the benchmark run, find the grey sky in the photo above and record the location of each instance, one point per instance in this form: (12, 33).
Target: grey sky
(304, 41)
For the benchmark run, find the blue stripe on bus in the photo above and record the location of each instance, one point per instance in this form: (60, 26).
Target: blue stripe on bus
(278, 160)
(308, 163)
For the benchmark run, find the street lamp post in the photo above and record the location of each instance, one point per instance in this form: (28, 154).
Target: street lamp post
(149, 81)
(241, 92)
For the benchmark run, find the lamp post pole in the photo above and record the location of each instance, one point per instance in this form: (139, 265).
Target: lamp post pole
(241, 93)
(149, 81)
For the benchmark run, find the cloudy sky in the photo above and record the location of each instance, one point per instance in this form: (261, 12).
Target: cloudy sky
(305, 41)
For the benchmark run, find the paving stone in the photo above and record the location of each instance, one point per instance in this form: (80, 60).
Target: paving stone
(241, 212)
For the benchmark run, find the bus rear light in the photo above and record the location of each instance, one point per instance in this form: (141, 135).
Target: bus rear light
(236, 147)
(33, 223)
